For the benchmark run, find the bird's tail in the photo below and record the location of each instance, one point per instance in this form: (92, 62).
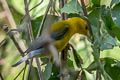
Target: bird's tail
(28, 56)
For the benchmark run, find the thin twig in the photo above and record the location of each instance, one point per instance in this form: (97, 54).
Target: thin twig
(53, 9)
(10, 34)
(84, 8)
(30, 33)
(39, 33)
(24, 71)
(73, 53)
(32, 38)
(29, 69)
(3, 42)
(43, 20)
(28, 21)
(63, 66)
(98, 75)
(30, 10)
(36, 5)
(39, 69)
(1, 77)
(62, 3)
(8, 14)
(85, 14)
(99, 27)
(29, 2)
(18, 74)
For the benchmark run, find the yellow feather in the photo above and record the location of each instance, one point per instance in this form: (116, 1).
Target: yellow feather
(75, 24)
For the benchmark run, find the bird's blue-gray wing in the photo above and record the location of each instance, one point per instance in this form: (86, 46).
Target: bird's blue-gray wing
(59, 35)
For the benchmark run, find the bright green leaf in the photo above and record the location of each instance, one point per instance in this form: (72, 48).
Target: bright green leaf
(107, 42)
(38, 11)
(111, 68)
(89, 76)
(48, 71)
(34, 74)
(114, 2)
(48, 22)
(96, 3)
(93, 66)
(112, 28)
(72, 7)
(116, 14)
(105, 2)
(78, 59)
(70, 63)
(55, 73)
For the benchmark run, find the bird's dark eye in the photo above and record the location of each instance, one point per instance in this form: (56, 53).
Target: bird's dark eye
(86, 27)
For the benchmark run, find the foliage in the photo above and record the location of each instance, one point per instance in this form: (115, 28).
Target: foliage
(104, 18)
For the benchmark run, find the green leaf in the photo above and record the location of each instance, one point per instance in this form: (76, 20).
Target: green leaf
(94, 18)
(24, 31)
(118, 64)
(111, 66)
(105, 2)
(70, 63)
(116, 14)
(48, 71)
(50, 19)
(96, 3)
(93, 66)
(89, 76)
(78, 59)
(36, 24)
(16, 15)
(34, 74)
(112, 27)
(55, 73)
(72, 7)
(114, 2)
(107, 42)
(38, 11)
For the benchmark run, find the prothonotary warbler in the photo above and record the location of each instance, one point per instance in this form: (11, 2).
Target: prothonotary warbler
(61, 32)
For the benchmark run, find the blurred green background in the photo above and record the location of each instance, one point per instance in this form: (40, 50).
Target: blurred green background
(9, 54)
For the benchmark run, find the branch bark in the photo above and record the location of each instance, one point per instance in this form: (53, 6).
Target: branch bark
(44, 17)
(10, 34)
(32, 38)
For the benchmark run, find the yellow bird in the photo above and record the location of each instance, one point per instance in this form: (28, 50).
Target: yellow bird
(61, 32)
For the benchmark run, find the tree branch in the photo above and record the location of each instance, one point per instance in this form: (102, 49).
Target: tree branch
(31, 10)
(10, 34)
(18, 74)
(1, 77)
(3, 42)
(44, 17)
(28, 20)
(32, 38)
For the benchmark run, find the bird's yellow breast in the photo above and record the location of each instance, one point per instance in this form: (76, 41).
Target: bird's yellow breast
(76, 25)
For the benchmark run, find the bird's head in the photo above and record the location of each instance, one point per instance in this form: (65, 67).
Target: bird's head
(80, 25)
